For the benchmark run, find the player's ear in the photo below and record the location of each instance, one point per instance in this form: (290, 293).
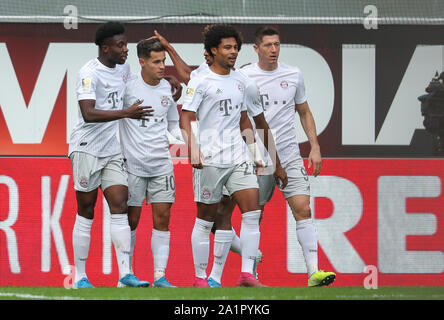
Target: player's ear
(106, 45)
(104, 48)
(213, 51)
(255, 47)
(142, 62)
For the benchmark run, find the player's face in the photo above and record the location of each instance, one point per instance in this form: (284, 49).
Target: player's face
(154, 66)
(226, 53)
(116, 49)
(268, 49)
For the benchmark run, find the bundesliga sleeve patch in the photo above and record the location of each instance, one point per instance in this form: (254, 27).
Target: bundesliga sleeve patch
(189, 95)
(190, 92)
(86, 85)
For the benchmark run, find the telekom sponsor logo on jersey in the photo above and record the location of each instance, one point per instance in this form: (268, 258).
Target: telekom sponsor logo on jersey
(39, 111)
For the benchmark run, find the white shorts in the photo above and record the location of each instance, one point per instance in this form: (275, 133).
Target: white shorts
(266, 185)
(298, 182)
(90, 172)
(208, 181)
(159, 189)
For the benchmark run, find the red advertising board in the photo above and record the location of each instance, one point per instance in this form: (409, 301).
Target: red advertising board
(393, 223)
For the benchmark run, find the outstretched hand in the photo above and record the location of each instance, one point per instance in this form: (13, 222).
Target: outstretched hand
(159, 37)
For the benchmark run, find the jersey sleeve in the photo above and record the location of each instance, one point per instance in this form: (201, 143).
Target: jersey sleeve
(201, 68)
(86, 85)
(173, 114)
(193, 95)
(244, 102)
(300, 96)
(127, 75)
(252, 99)
(174, 129)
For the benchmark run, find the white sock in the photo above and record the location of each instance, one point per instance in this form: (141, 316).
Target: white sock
(306, 233)
(160, 247)
(236, 244)
(121, 238)
(200, 242)
(133, 244)
(222, 243)
(250, 237)
(81, 237)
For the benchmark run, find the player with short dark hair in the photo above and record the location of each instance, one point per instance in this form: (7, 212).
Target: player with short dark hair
(145, 146)
(95, 151)
(282, 91)
(145, 47)
(264, 31)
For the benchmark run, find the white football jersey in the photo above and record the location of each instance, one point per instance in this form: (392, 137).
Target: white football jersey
(203, 67)
(252, 98)
(145, 143)
(218, 101)
(280, 90)
(254, 107)
(106, 86)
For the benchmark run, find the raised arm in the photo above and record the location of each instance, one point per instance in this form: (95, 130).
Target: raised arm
(182, 68)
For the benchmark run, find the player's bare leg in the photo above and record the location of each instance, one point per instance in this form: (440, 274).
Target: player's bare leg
(248, 202)
(224, 212)
(160, 243)
(306, 233)
(223, 219)
(134, 216)
(86, 202)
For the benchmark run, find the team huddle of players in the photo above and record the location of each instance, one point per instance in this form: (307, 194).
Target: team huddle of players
(244, 147)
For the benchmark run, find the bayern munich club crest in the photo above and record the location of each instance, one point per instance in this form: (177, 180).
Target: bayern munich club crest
(83, 182)
(164, 101)
(284, 84)
(240, 87)
(206, 194)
